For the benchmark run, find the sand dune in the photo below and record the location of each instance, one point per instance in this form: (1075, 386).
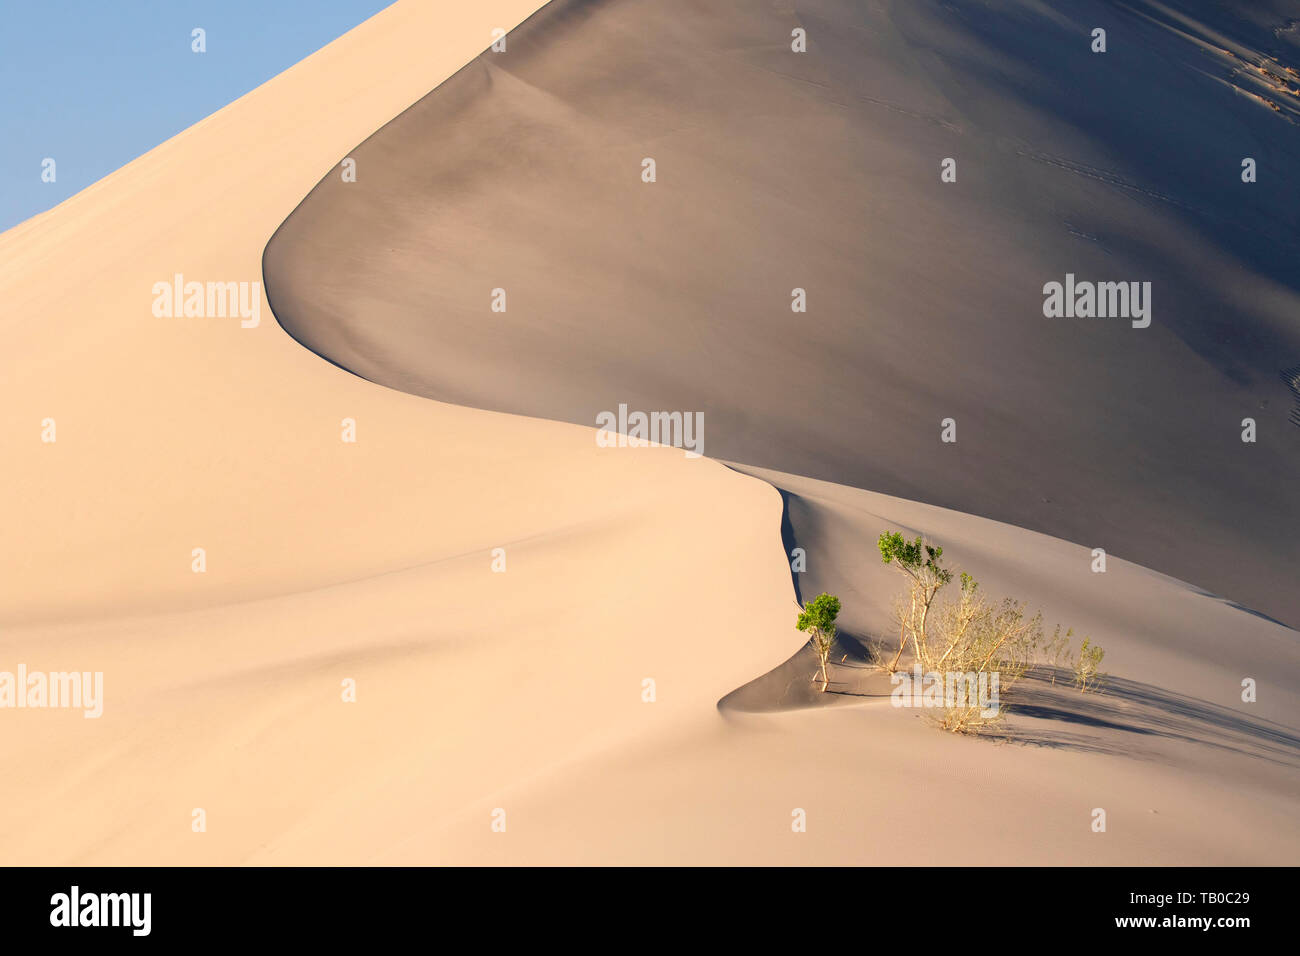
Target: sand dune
(1170, 637)
(821, 171)
(372, 561)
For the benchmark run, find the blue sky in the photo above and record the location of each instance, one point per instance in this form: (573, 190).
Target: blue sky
(93, 84)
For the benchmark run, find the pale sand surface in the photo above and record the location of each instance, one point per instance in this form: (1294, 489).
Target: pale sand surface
(820, 171)
(478, 690)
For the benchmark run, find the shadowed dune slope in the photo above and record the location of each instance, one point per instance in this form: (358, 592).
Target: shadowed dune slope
(778, 170)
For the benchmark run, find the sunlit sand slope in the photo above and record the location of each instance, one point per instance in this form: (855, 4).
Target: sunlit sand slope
(325, 560)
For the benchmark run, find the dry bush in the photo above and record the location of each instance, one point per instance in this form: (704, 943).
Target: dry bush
(1056, 653)
(973, 636)
(1087, 677)
(977, 637)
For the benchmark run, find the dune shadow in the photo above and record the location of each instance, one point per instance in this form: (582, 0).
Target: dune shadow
(518, 171)
(1142, 710)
